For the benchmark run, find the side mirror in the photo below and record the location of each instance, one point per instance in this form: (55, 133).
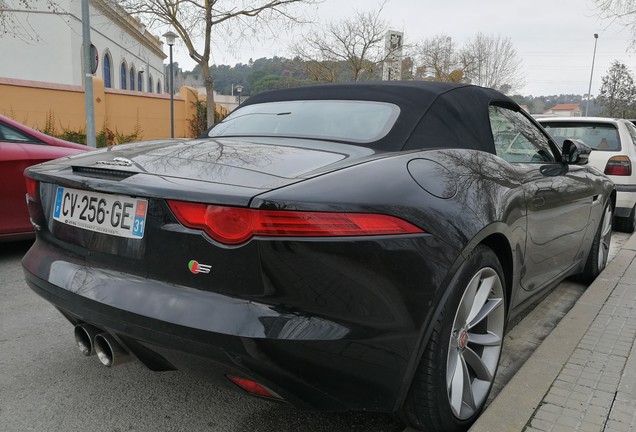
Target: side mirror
(575, 152)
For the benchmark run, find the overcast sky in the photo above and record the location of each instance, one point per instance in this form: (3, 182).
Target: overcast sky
(553, 38)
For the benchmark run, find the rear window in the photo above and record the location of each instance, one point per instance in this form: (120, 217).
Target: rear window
(334, 120)
(598, 136)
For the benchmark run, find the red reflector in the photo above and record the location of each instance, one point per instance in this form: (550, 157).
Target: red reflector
(235, 225)
(31, 188)
(619, 166)
(253, 387)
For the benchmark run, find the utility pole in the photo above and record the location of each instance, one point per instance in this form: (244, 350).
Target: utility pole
(88, 76)
(589, 89)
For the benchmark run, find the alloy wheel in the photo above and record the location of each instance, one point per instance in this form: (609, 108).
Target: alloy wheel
(606, 238)
(475, 343)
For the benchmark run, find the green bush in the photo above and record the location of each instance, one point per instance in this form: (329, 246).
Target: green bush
(104, 138)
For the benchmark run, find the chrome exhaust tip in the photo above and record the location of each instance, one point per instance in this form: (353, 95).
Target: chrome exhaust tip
(109, 351)
(84, 336)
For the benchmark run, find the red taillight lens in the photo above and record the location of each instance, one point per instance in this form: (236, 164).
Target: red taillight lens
(619, 166)
(235, 225)
(253, 387)
(31, 188)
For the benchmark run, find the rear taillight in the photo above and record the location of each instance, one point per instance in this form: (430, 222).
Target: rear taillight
(253, 387)
(235, 225)
(32, 189)
(619, 166)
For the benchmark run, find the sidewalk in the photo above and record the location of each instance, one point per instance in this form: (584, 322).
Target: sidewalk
(583, 376)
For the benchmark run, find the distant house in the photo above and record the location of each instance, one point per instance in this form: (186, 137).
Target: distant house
(565, 110)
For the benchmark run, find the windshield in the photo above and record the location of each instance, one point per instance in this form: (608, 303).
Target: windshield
(335, 120)
(598, 136)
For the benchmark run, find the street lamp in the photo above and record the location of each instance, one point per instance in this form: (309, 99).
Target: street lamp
(239, 90)
(589, 89)
(170, 38)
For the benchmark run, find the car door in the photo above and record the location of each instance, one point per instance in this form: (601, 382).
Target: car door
(558, 197)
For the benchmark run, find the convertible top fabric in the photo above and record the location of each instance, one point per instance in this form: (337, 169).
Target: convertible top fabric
(432, 115)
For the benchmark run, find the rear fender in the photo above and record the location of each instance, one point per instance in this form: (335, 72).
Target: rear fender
(492, 237)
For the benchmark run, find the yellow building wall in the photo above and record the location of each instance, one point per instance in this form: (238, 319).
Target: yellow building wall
(123, 111)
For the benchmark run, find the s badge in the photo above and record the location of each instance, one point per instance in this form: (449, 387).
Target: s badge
(196, 268)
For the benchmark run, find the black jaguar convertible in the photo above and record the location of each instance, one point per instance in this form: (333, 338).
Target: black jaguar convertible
(338, 247)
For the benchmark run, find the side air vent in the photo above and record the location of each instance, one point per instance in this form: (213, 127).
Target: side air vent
(102, 173)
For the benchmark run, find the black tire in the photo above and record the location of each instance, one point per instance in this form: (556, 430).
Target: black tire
(435, 395)
(626, 224)
(597, 258)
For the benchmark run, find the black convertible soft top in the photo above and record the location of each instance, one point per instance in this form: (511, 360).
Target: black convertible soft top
(432, 115)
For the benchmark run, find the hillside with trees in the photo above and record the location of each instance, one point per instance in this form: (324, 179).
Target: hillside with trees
(278, 72)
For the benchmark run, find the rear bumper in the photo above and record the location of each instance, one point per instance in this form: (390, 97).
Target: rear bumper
(625, 199)
(311, 362)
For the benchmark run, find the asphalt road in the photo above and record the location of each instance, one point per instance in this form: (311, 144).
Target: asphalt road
(47, 385)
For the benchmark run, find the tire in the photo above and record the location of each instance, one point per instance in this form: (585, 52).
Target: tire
(627, 224)
(597, 258)
(458, 366)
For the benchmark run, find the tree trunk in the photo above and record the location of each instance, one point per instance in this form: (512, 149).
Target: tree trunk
(209, 90)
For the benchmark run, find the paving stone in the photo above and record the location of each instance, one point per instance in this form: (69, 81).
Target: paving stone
(572, 422)
(580, 397)
(590, 427)
(568, 412)
(548, 413)
(595, 419)
(595, 409)
(607, 386)
(542, 425)
(623, 412)
(561, 428)
(615, 426)
(602, 399)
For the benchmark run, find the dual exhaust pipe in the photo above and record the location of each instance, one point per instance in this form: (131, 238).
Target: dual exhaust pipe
(91, 340)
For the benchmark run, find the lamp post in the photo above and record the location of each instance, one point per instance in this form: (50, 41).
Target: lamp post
(589, 89)
(239, 90)
(170, 38)
(89, 100)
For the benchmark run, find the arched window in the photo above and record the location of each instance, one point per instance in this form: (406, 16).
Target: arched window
(150, 87)
(132, 77)
(158, 86)
(107, 72)
(122, 75)
(140, 81)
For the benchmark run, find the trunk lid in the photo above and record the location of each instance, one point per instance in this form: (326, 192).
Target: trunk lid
(226, 171)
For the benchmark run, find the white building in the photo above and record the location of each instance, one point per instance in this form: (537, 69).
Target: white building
(46, 45)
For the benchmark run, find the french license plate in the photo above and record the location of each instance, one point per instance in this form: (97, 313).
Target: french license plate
(117, 215)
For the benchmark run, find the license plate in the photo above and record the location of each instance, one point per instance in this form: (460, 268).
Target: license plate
(116, 215)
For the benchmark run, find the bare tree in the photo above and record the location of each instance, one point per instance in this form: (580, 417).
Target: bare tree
(493, 63)
(439, 59)
(622, 12)
(357, 42)
(11, 26)
(196, 20)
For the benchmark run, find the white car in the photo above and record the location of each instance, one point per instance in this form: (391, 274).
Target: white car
(613, 152)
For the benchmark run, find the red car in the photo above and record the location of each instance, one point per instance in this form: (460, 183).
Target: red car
(20, 147)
